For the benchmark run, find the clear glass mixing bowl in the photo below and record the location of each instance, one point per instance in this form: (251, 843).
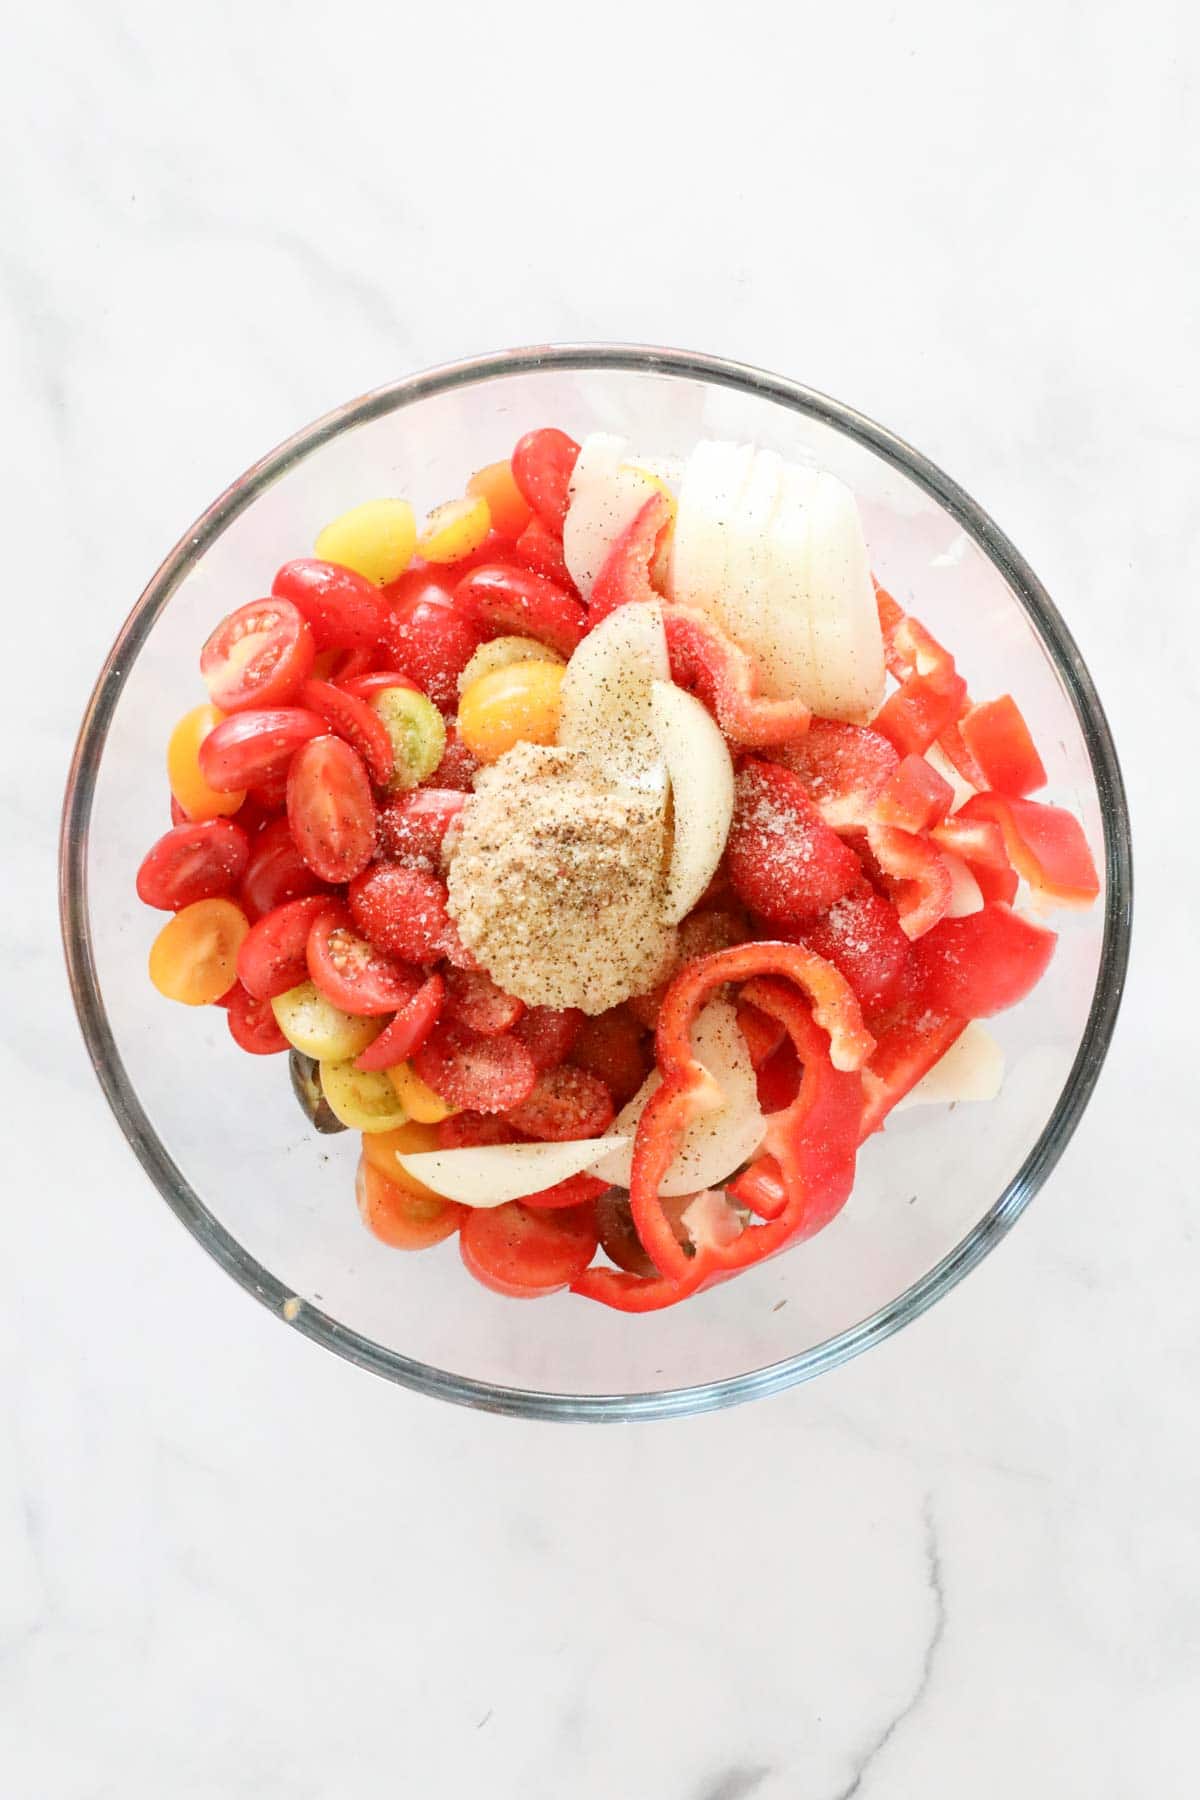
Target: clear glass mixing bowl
(219, 1132)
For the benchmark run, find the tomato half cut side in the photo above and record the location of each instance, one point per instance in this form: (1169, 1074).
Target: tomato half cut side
(351, 718)
(614, 1046)
(476, 1001)
(408, 1030)
(501, 598)
(365, 687)
(566, 1103)
(352, 973)
(249, 748)
(470, 1130)
(342, 607)
(401, 910)
(275, 872)
(252, 1023)
(549, 1033)
(274, 954)
(542, 465)
(485, 1074)
(258, 656)
(413, 826)
(525, 1254)
(400, 1218)
(330, 809)
(193, 862)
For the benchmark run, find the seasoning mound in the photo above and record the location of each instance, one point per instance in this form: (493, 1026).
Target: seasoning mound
(556, 880)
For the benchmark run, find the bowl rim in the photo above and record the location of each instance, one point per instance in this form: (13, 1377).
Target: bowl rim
(169, 1179)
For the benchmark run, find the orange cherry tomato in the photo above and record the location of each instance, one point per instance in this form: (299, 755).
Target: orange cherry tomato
(197, 799)
(509, 509)
(194, 957)
(380, 1149)
(399, 1217)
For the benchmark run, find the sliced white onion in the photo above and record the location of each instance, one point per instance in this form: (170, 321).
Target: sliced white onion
(972, 1069)
(605, 696)
(609, 486)
(701, 777)
(490, 1174)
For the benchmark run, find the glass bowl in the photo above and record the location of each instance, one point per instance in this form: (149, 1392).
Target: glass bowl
(220, 1134)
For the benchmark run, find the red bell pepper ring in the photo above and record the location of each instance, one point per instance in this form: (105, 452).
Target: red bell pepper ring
(980, 844)
(916, 875)
(915, 798)
(1045, 845)
(806, 1170)
(706, 661)
(998, 740)
(915, 1039)
(624, 574)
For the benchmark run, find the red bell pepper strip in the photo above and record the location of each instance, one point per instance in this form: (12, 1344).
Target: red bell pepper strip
(915, 1039)
(915, 798)
(1045, 844)
(998, 739)
(916, 876)
(982, 964)
(806, 1170)
(706, 661)
(890, 615)
(625, 572)
(932, 694)
(844, 768)
(980, 844)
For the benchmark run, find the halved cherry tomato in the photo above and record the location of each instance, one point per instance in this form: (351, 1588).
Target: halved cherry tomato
(861, 936)
(614, 1047)
(258, 656)
(349, 666)
(618, 1233)
(408, 1030)
(474, 1000)
(980, 965)
(549, 1033)
(458, 766)
(541, 551)
(365, 687)
(524, 1254)
(354, 974)
(416, 1096)
(274, 953)
(252, 1023)
(312, 1025)
(413, 826)
(364, 1100)
(194, 957)
(189, 790)
(380, 1149)
(330, 809)
(193, 862)
(250, 747)
(784, 860)
(508, 508)
(429, 637)
(542, 465)
(416, 733)
(400, 1218)
(342, 607)
(490, 1074)
(261, 807)
(499, 597)
(275, 872)
(401, 910)
(352, 718)
(471, 1130)
(455, 529)
(566, 1102)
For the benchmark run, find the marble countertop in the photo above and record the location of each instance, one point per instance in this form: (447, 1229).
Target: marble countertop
(967, 1564)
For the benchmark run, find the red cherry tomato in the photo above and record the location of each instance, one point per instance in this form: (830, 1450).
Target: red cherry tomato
(861, 936)
(342, 607)
(501, 598)
(274, 953)
(413, 825)
(351, 718)
(541, 551)
(470, 1130)
(542, 466)
(352, 973)
(495, 547)
(548, 1033)
(487, 1074)
(980, 965)
(330, 809)
(347, 666)
(524, 1254)
(193, 861)
(276, 871)
(401, 910)
(408, 1030)
(566, 1102)
(252, 1023)
(784, 861)
(258, 656)
(250, 747)
(259, 808)
(474, 1000)
(365, 687)
(430, 639)
(458, 766)
(614, 1047)
(400, 1218)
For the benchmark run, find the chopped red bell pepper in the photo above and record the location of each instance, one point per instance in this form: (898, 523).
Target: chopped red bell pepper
(914, 1039)
(890, 615)
(625, 572)
(980, 844)
(806, 1169)
(916, 875)
(932, 694)
(843, 767)
(706, 661)
(982, 964)
(915, 798)
(862, 936)
(998, 739)
(1045, 844)
(762, 1033)
(953, 748)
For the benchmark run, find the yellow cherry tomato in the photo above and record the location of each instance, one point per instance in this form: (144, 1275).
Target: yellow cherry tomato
(362, 1099)
(198, 800)
(376, 539)
(417, 1097)
(509, 510)
(499, 653)
(194, 957)
(318, 1028)
(380, 1149)
(518, 704)
(454, 529)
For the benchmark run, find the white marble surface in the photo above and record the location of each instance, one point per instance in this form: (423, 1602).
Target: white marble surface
(969, 1564)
